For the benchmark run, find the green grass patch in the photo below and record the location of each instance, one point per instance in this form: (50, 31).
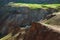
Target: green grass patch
(34, 6)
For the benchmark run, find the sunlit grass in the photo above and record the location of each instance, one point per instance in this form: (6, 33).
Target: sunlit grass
(33, 6)
(6, 37)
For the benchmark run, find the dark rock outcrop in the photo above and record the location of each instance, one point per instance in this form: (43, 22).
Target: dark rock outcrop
(24, 15)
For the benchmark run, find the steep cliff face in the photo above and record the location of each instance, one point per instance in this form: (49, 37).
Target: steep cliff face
(21, 17)
(40, 32)
(24, 15)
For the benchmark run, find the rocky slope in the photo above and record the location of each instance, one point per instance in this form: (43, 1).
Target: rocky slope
(41, 32)
(12, 18)
(24, 15)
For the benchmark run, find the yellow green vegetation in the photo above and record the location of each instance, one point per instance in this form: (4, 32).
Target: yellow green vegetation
(7, 36)
(34, 6)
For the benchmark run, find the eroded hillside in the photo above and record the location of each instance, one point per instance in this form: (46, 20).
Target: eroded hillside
(14, 18)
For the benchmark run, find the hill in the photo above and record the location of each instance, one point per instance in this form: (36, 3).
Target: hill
(54, 20)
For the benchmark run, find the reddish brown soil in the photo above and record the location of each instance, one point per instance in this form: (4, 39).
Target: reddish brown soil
(40, 32)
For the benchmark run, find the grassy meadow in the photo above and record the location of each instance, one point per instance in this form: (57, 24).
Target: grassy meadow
(34, 6)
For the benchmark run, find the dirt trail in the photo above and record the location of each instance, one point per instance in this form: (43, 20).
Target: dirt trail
(53, 27)
(56, 13)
